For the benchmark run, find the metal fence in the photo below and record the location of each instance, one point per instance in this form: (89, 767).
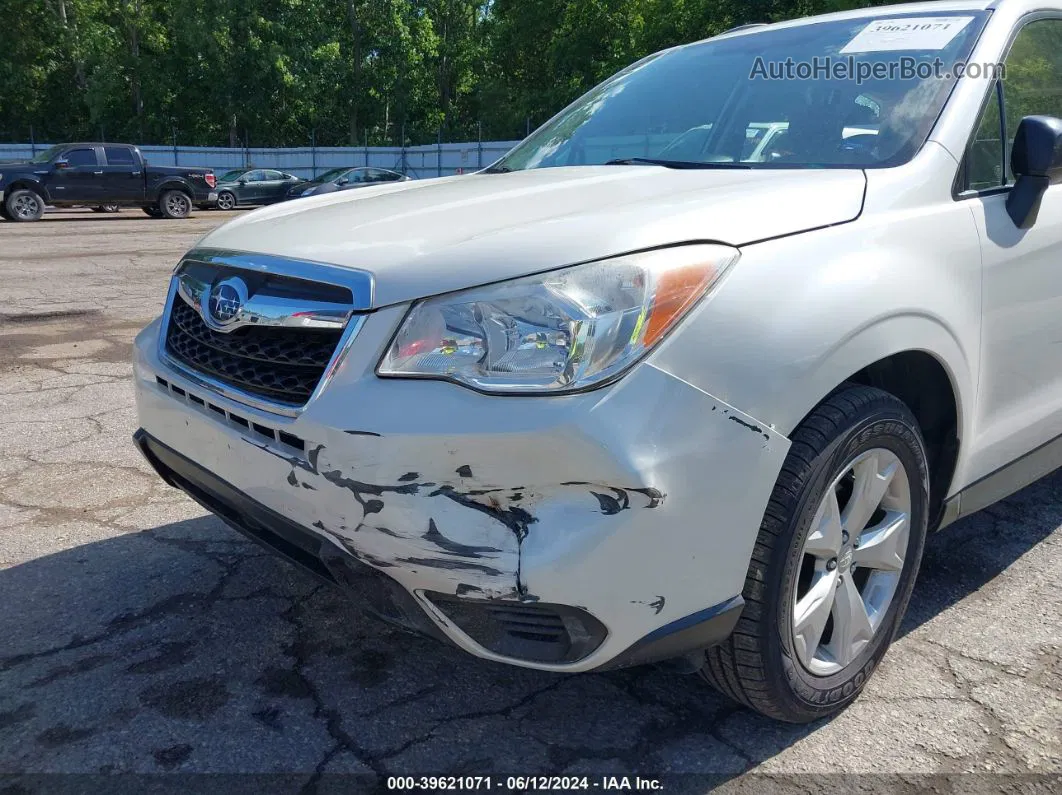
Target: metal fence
(432, 160)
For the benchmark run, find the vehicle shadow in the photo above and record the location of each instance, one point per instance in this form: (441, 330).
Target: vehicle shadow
(184, 647)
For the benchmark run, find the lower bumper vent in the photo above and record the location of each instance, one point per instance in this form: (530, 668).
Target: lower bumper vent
(534, 632)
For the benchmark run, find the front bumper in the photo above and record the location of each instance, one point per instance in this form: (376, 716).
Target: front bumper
(627, 514)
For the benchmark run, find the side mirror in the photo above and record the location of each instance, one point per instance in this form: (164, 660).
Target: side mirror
(61, 164)
(342, 181)
(241, 182)
(1036, 160)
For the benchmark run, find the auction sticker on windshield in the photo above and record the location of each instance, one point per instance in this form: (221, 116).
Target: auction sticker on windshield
(913, 33)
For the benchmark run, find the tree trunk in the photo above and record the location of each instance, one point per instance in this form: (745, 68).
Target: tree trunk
(355, 52)
(73, 44)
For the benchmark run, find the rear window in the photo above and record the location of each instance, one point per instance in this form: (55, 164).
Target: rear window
(119, 156)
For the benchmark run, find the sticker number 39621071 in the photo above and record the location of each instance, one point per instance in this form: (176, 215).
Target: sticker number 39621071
(912, 33)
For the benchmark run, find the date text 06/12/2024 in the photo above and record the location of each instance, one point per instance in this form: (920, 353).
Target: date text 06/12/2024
(524, 783)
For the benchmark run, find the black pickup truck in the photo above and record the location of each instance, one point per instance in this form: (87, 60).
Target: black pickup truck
(98, 175)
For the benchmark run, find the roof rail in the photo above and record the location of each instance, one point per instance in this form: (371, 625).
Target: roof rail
(745, 27)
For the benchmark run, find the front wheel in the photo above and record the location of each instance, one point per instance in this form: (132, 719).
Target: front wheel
(226, 201)
(24, 205)
(175, 204)
(834, 562)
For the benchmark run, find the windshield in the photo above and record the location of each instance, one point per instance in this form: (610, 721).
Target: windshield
(48, 154)
(746, 100)
(232, 176)
(334, 174)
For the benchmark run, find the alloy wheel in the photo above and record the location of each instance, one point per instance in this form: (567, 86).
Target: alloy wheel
(226, 201)
(178, 204)
(851, 561)
(25, 206)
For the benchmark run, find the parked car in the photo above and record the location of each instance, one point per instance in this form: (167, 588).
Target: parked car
(254, 186)
(98, 175)
(345, 179)
(581, 412)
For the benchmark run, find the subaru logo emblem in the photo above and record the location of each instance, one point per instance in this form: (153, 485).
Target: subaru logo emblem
(226, 300)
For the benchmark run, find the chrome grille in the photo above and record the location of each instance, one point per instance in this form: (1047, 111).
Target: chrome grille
(289, 324)
(280, 364)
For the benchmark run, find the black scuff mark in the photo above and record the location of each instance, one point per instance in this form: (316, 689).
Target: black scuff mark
(655, 496)
(463, 589)
(464, 471)
(292, 480)
(364, 557)
(387, 531)
(294, 461)
(312, 457)
(361, 433)
(612, 505)
(408, 477)
(373, 506)
(452, 547)
(447, 563)
(307, 485)
(657, 604)
(515, 518)
(321, 526)
(751, 427)
(362, 491)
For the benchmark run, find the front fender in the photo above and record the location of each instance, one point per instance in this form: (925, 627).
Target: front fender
(17, 181)
(798, 316)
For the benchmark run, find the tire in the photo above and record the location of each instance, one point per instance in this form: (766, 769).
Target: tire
(3, 211)
(24, 205)
(226, 201)
(772, 662)
(106, 208)
(153, 211)
(175, 204)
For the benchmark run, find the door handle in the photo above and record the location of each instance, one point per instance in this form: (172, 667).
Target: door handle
(98, 173)
(136, 173)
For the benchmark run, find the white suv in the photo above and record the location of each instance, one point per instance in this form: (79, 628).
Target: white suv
(591, 407)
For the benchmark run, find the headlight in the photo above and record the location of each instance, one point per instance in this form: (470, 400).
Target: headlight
(559, 331)
(307, 192)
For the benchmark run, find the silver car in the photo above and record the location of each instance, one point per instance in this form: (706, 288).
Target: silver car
(594, 407)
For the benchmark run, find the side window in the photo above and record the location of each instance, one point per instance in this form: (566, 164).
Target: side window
(119, 156)
(1030, 86)
(1033, 82)
(80, 157)
(273, 175)
(383, 175)
(984, 160)
(254, 176)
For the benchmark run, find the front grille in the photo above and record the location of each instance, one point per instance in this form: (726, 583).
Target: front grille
(283, 365)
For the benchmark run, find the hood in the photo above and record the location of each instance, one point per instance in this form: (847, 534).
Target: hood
(427, 237)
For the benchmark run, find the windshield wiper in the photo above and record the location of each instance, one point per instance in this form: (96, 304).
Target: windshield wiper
(649, 161)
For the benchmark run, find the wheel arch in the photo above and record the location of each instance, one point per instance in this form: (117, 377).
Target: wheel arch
(26, 183)
(174, 184)
(920, 361)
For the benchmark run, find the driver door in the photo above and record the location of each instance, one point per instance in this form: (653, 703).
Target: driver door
(250, 192)
(1019, 406)
(80, 179)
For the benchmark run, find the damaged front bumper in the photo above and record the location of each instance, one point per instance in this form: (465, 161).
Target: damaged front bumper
(569, 533)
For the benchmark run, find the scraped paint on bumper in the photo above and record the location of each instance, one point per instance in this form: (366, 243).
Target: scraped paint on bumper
(637, 504)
